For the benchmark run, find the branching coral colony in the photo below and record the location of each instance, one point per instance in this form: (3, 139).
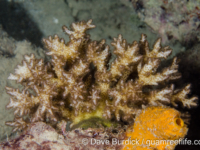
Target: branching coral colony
(79, 84)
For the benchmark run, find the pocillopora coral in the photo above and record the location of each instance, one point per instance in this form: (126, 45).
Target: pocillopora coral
(79, 83)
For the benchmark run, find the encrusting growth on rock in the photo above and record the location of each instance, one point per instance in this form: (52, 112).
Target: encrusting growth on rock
(79, 84)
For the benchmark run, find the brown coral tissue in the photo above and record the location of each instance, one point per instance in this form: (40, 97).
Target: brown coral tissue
(80, 83)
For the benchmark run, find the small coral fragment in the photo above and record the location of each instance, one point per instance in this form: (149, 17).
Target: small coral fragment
(156, 128)
(18, 124)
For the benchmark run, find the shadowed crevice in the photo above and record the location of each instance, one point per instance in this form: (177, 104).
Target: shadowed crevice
(18, 24)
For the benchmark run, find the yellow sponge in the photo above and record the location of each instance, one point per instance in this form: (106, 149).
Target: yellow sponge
(157, 128)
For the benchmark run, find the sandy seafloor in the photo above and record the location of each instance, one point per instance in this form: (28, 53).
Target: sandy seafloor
(25, 22)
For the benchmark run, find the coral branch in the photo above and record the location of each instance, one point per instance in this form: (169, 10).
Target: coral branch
(79, 29)
(182, 97)
(18, 124)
